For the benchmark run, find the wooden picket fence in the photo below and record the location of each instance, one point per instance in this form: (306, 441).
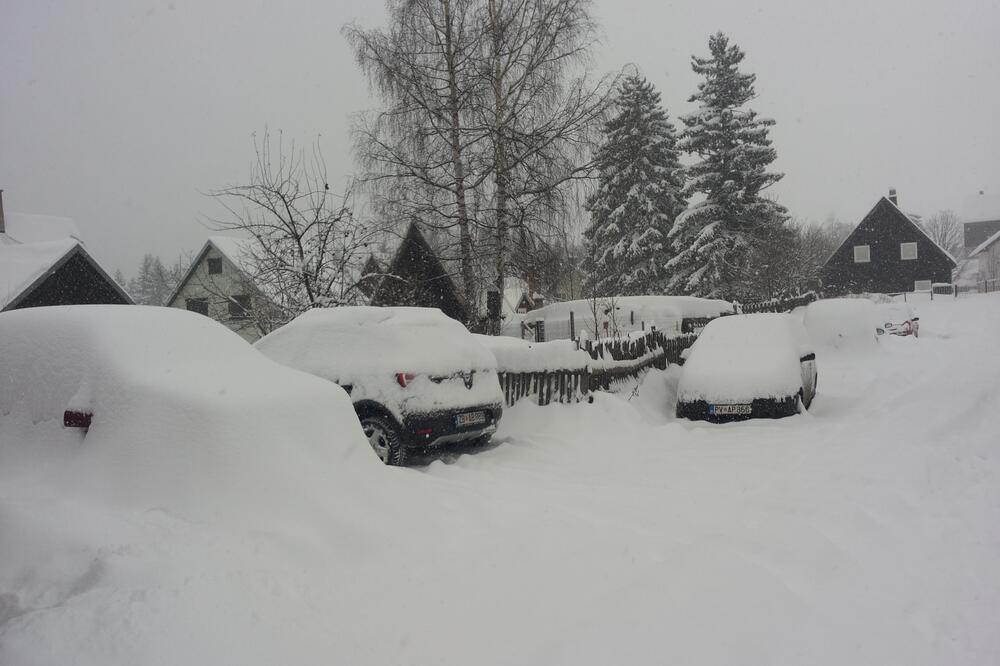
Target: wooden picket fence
(613, 363)
(784, 304)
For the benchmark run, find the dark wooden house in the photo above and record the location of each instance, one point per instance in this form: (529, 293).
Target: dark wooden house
(39, 265)
(55, 273)
(417, 277)
(888, 252)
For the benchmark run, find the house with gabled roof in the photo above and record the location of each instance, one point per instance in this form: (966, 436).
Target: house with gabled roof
(218, 284)
(416, 276)
(888, 252)
(987, 256)
(43, 262)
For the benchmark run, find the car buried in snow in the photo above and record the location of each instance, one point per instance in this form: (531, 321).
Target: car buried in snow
(131, 381)
(417, 378)
(748, 366)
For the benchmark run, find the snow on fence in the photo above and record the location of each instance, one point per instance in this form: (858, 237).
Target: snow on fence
(566, 371)
(785, 304)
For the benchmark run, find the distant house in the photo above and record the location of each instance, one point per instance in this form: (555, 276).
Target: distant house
(44, 262)
(980, 215)
(218, 285)
(416, 276)
(888, 252)
(987, 256)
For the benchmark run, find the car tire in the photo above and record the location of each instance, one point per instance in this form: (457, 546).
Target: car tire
(385, 439)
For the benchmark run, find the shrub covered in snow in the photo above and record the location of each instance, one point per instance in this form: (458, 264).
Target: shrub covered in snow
(621, 315)
(514, 355)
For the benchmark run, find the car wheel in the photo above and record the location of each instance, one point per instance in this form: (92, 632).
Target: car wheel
(385, 440)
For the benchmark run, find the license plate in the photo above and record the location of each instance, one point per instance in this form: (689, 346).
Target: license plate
(725, 410)
(470, 418)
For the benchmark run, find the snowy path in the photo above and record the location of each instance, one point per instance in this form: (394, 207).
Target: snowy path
(864, 532)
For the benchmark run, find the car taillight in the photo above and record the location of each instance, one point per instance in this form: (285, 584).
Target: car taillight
(404, 378)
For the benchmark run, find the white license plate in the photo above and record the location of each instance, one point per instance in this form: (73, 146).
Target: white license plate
(470, 418)
(725, 410)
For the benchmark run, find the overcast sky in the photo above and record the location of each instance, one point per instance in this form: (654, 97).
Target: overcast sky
(120, 113)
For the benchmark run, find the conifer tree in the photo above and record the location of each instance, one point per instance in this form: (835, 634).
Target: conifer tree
(716, 237)
(639, 195)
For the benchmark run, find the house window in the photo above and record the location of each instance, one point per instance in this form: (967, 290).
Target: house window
(214, 266)
(239, 307)
(907, 251)
(862, 254)
(199, 305)
(922, 285)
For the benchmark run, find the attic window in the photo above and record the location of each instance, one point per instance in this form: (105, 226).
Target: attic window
(862, 254)
(907, 251)
(215, 266)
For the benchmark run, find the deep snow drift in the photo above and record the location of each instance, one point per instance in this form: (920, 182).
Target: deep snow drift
(866, 531)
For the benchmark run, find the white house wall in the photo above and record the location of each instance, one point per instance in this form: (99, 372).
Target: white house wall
(216, 288)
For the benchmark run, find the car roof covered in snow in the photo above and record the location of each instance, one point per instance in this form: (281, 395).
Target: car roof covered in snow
(346, 343)
(742, 357)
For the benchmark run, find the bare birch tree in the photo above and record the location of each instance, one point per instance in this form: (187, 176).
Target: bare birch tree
(486, 126)
(414, 151)
(539, 112)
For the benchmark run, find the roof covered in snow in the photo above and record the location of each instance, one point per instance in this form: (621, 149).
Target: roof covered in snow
(26, 228)
(22, 265)
(985, 244)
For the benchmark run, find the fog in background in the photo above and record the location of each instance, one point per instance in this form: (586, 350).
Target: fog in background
(122, 114)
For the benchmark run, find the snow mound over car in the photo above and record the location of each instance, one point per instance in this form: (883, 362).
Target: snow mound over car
(343, 344)
(842, 323)
(742, 357)
(186, 417)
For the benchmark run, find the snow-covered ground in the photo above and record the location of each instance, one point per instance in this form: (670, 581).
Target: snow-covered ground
(864, 532)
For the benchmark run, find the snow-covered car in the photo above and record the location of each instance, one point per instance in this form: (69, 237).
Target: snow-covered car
(417, 378)
(748, 366)
(899, 319)
(842, 324)
(128, 392)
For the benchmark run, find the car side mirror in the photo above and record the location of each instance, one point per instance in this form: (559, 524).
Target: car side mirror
(879, 331)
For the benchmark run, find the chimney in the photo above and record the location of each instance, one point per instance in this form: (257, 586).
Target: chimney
(892, 196)
(3, 228)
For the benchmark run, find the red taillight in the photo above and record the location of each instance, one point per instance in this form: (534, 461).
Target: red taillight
(423, 432)
(75, 419)
(404, 378)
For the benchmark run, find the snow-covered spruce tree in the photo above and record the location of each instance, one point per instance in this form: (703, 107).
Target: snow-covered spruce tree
(640, 193)
(716, 237)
